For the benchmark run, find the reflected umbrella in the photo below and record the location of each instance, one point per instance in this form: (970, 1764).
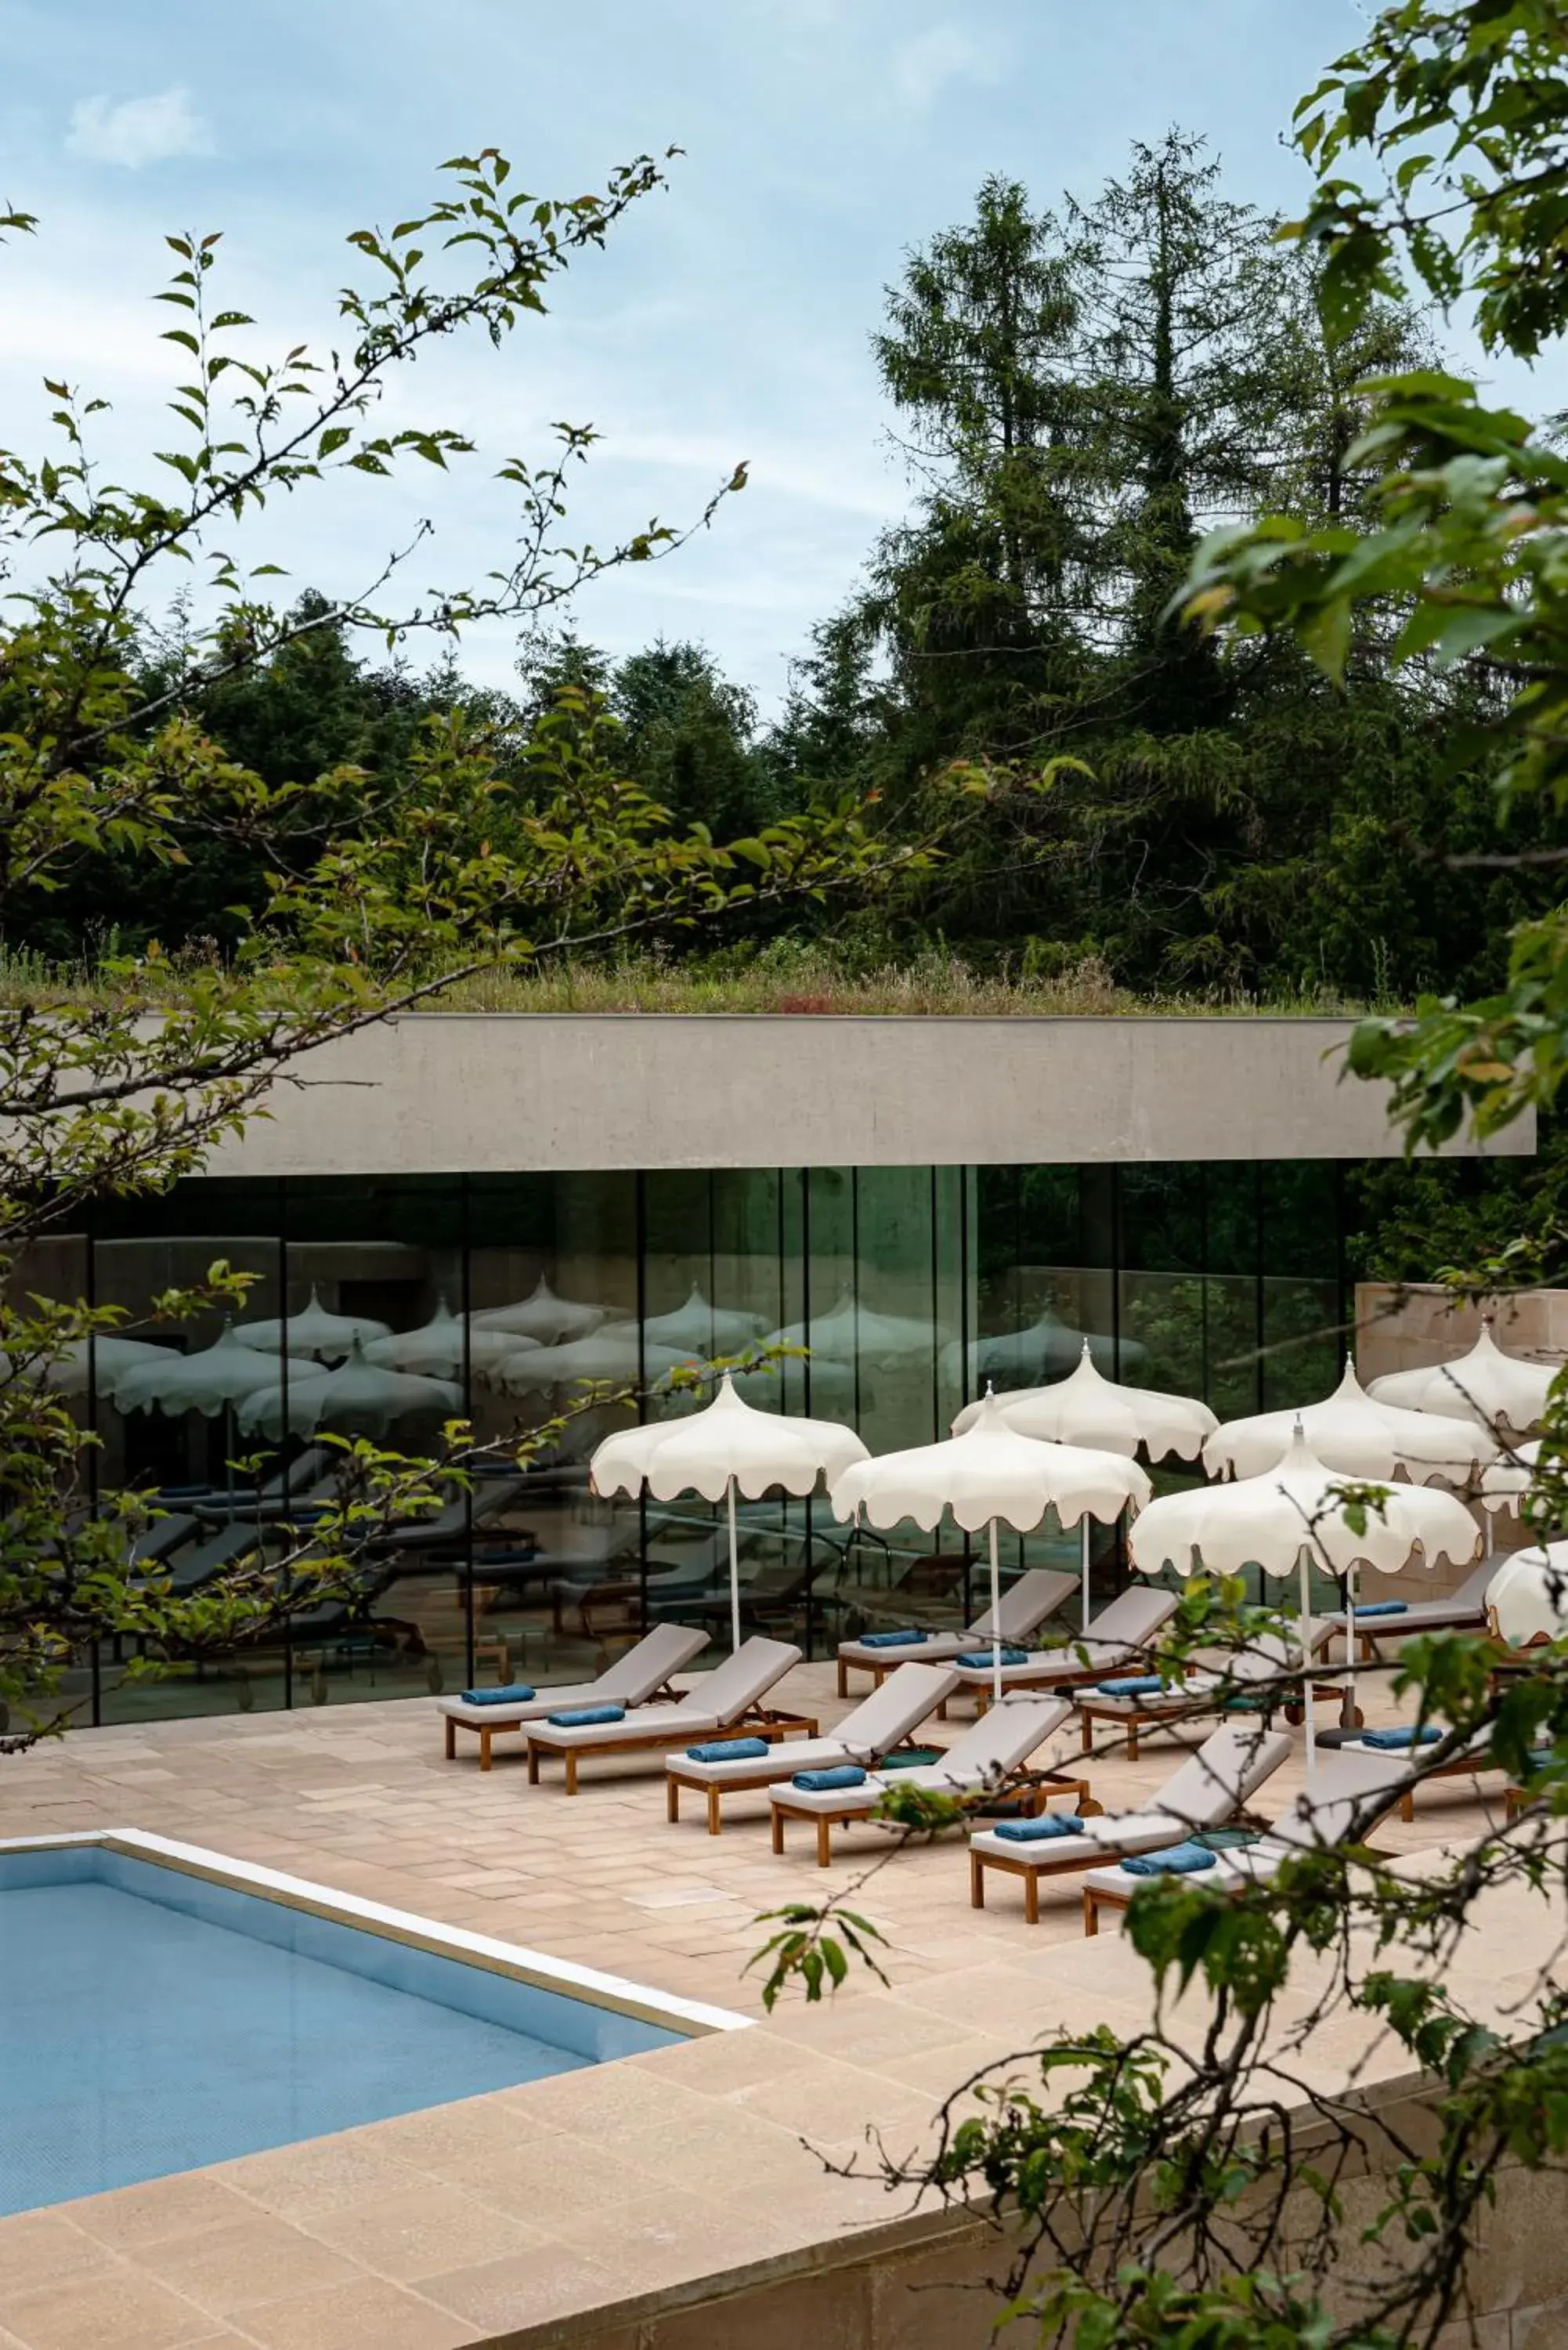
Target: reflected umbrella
(441, 1346)
(706, 1329)
(548, 1320)
(613, 1353)
(358, 1399)
(1046, 1350)
(327, 1337)
(852, 1331)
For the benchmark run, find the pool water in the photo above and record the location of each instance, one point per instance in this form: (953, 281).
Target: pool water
(152, 2020)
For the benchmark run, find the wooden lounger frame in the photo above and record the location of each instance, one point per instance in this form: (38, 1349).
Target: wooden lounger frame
(1095, 1899)
(751, 1724)
(1037, 1795)
(1032, 1870)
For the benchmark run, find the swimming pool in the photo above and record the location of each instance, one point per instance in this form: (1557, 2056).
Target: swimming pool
(161, 2008)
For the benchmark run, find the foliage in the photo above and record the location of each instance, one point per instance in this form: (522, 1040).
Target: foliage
(427, 835)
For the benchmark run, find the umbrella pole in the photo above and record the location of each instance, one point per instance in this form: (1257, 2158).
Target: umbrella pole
(734, 1573)
(995, 1625)
(1086, 1552)
(1487, 1514)
(1303, 1560)
(1347, 1702)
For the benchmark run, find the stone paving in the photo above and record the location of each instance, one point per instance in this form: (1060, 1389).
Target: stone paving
(474, 2223)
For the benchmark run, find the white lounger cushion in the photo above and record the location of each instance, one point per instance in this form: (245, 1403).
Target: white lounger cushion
(631, 1679)
(1026, 1605)
(1266, 1658)
(1466, 1605)
(1002, 1740)
(719, 1698)
(867, 1733)
(1115, 1638)
(1226, 1770)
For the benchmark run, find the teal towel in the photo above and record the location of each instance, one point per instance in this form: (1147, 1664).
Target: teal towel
(1178, 1860)
(826, 1782)
(517, 1693)
(1391, 1740)
(1044, 1830)
(584, 1716)
(892, 1640)
(986, 1656)
(728, 1750)
(1132, 1685)
(1383, 1607)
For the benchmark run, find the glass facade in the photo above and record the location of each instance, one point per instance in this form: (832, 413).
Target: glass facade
(380, 1305)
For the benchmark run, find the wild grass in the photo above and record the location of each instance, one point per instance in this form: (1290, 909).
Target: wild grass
(797, 979)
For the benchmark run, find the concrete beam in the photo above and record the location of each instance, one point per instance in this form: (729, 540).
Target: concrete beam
(503, 1092)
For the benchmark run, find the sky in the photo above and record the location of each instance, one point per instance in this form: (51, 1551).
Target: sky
(729, 319)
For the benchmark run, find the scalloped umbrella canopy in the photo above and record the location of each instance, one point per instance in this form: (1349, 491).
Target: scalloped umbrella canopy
(440, 1346)
(1281, 1520)
(852, 1331)
(725, 1448)
(358, 1399)
(1087, 1409)
(327, 1337)
(1485, 1385)
(1355, 1434)
(987, 1476)
(1505, 1482)
(548, 1320)
(208, 1382)
(612, 1353)
(1048, 1349)
(706, 1329)
(68, 1373)
(1529, 1594)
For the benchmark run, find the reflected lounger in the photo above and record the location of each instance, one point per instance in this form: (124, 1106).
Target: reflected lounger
(1026, 1605)
(720, 1701)
(874, 1727)
(1351, 1785)
(1211, 1787)
(639, 1677)
(989, 1750)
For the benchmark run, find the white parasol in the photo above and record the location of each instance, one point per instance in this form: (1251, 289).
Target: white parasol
(612, 1353)
(208, 1382)
(725, 1449)
(1529, 1594)
(990, 1476)
(1358, 1434)
(1486, 1385)
(1047, 1349)
(706, 1329)
(358, 1399)
(1281, 1520)
(1087, 1409)
(110, 1359)
(852, 1331)
(545, 1317)
(441, 1346)
(328, 1337)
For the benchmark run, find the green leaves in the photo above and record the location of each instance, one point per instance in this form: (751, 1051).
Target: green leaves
(806, 1951)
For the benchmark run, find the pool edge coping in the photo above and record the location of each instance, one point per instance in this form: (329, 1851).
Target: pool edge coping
(690, 2019)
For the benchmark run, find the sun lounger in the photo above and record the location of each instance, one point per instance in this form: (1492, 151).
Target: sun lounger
(639, 1677)
(1211, 1786)
(1463, 1610)
(729, 1698)
(1267, 1660)
(1466, 1763)
(875, 1726)
(1352, 1788)
(1114, 1643)
(986, 1756)
(1026, 1605)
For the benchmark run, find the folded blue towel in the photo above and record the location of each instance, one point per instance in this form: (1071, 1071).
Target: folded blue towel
(986, 1657)
(824, 1783)
(728, 1750)
(1176, 1860)
(892, 1640)
(1046, 1829)
(1132, 1685)
(514, 1693)
(1391, 1740)
(1383, 1607)
(584, 1716)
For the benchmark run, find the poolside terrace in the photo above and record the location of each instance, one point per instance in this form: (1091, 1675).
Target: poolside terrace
(630, 2190)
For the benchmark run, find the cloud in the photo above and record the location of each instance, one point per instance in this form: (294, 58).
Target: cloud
(138, 130)
(925, 65)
